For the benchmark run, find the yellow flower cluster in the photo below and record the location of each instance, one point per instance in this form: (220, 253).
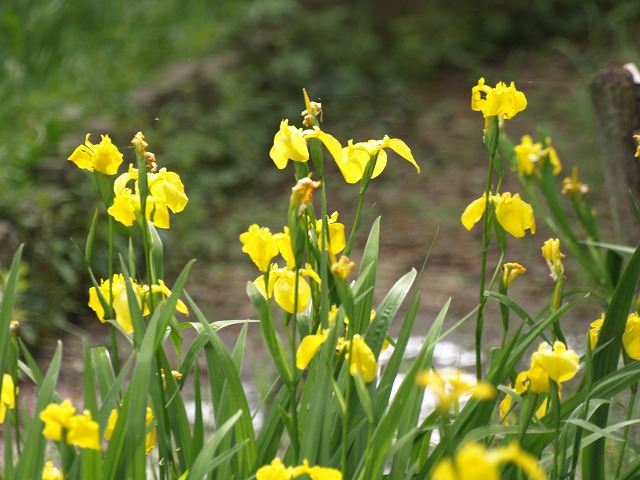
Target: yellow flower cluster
(557, 364)
(290, 143)
(513, 214)
(276, 470)
(262, 246)
(114, 292)
(150, 439)
(166, 192)
(165, 189)
(532, 156)
(7, 395)
(81, 429)
(473, 462)
(361, 359)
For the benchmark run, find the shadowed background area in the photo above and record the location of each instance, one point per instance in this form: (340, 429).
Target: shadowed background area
(208, 86)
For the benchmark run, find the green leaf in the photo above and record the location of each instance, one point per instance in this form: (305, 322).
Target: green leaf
(6, 309)
(606, 360)
(270, 335)
(386, 312)
(31, 458)
(203, 463)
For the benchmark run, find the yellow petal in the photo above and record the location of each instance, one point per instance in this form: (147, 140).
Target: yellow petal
(84, 431)
(309, 346)
(284, 292)
(514, 215)
(402, 149)
(631, 336)
(473, 213)
(361, 359)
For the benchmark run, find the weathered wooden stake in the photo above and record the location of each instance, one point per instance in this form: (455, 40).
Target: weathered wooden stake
(615, 96)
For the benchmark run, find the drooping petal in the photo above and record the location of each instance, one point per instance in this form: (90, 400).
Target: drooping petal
(351, 163)
(260, 245)
(309, 346)
(124, 208)
(514, 214)
(168, 186)
(560, 364)
(84, 431)
(361, 359)
(288, 144)
(284, 292)
(55, 418)
(473, 213)
(401, 148)
(329, 141)
(631, 336)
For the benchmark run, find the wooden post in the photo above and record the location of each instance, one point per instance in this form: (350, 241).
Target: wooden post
(615, 96)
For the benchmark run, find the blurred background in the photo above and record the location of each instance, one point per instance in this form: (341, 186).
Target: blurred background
(209, 82)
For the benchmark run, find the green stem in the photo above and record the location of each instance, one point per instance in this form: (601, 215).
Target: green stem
(625, 436)
(356, 224)
(490, 135)
(345, 428)
(115, 360)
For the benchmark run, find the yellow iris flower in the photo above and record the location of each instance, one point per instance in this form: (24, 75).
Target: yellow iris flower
(276, 470)
(594, 331)
(552, 254)
(513, 214)
(103, 157)
(473, 461)
(82, 430)
(49, 472)
(166, 192)
(259, 243)
(502, 100)
(337, 240)
(521, 387)
(355, 156)
(510, 271)
(559, 363)
(308, 348)
(282, 286)
(7, 395)
(150, 439)
(631, 336)
(361, 359)
(531, 156)
(290, 143)
(450, 386)
(114, 292)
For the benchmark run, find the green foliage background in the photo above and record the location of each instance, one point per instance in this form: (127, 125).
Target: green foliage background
(207, 83)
